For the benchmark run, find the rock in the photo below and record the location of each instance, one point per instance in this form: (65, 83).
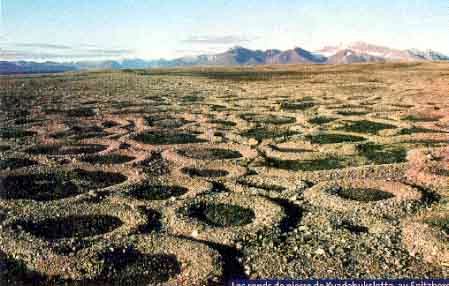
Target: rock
(320, 251)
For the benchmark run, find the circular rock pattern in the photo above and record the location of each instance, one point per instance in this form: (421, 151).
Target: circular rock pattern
(222, 217)
(428, 236)
(375, 197)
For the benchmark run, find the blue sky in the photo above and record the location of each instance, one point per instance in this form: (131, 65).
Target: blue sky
(95, 29)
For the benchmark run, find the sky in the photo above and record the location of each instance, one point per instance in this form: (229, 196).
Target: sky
(65, 30)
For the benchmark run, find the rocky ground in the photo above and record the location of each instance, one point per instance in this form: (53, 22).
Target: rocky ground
(167, 177)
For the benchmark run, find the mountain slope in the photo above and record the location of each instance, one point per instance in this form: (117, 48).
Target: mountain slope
(358, 52)
(349, 57)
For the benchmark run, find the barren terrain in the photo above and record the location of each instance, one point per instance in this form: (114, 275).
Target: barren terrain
(197, 176)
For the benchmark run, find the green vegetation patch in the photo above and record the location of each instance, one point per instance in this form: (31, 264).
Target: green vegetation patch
(210, 173)
(261, 133)
(16, 272)
(156, 192)
(15, 163)
(166, 138)
(153, 218)
(413, 130)
(420, 118)
(81, 112)
(441, 172)
(321, 120)
(351, 112)
(331, 138)
(297, 105)
(80, 132)
(261, 185)
(382, 154)
(366, 126)
(48, 186)
(166, 122)
(56, 149)
(289, 150)
(441, 223)
(10, 133)
(127, 266)
(221, 215)
(225, 123)
(210, 153)
(4, 148)
(330, 163)
(107, 159)
(268, 118)
(71, 226)
(361, 194)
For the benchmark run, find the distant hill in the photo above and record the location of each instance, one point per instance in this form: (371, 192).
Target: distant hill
(358, 52)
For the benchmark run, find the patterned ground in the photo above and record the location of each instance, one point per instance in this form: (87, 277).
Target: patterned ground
(198, 176)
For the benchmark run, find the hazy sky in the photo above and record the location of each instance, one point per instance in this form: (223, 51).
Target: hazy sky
(91, 29)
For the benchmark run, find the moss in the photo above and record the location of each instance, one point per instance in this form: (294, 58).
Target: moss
(81, 112)
(109, 124)
(4, 148)
(321, 120)
(38, 187)
(420, 118)
(330, 138)
(362, 194)
(261, 133)
(297, 105)
(212, 173)
(289, 150)
(15, 163)
(55, 185)
(413, 130)
(268, 119)
(223, 122)
(166, 138)
(192, 98)
(10, 133)
(261, 185)
(71, 226)
(381, 154)
(221, 215)
(366, 126)
(74, 149)
(306, 165)
(210, 154)
(126, 266)
(351, 113)
(16, 272)
(156, 192)
(153, 218)
(441, 223)
(107, 159)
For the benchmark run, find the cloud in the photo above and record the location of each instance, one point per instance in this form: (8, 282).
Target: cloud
(110, 52)
(42, 46)
(42, 52)
(217, 40)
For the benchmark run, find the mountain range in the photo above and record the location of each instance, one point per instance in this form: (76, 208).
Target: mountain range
(358, 52)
